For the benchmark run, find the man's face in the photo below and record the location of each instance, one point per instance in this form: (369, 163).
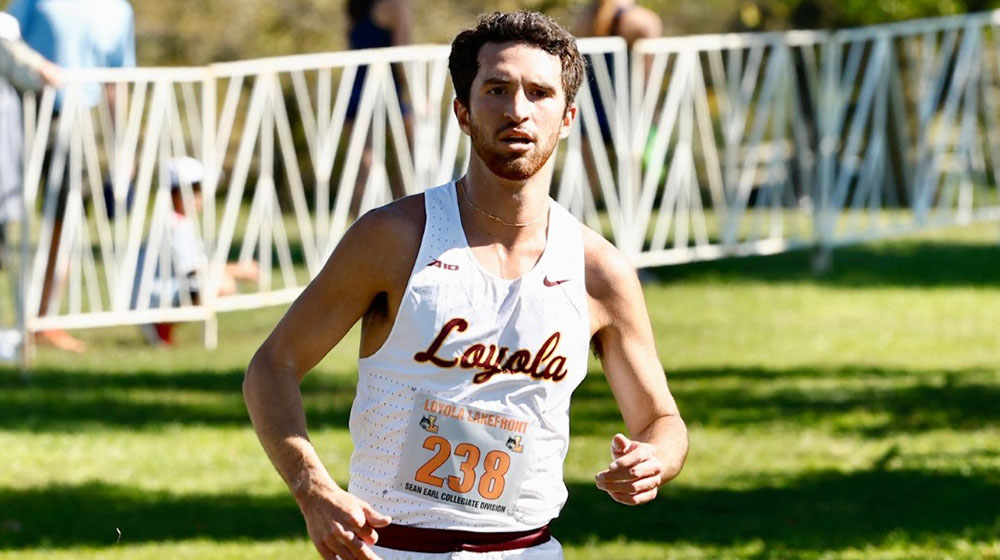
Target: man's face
(517, 109)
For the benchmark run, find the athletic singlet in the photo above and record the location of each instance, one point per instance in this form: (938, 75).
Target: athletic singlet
(461, 419)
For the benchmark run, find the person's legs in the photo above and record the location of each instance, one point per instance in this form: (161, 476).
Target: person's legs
(55, 337)
(158, 334)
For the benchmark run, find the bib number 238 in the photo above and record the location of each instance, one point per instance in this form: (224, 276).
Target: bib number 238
(464, 456)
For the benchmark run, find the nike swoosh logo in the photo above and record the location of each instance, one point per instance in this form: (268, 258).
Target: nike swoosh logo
(550, 283)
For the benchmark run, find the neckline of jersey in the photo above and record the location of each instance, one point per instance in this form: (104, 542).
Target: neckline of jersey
(457, 207)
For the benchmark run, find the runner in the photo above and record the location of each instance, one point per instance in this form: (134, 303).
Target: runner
(479, 300)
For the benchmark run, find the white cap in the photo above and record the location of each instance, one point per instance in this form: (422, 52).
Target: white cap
(9, 28)
(185, 170)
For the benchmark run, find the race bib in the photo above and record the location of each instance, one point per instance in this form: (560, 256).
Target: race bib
(464, 456)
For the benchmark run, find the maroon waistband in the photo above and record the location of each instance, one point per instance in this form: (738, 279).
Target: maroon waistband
(418, 539)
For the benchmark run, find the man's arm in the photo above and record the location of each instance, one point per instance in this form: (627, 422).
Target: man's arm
(640, 23)
(374, 257)
(624, 338)
(25, 68)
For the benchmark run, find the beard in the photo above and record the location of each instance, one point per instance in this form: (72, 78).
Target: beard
(511, 166)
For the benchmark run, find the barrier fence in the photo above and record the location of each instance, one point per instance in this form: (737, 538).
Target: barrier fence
(683, 149)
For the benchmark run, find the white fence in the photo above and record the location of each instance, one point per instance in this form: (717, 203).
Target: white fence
(758, 143)
(684, 149)
(908, 121)
(728, 124)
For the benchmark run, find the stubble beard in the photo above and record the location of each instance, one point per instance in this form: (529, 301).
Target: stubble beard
(512, 166)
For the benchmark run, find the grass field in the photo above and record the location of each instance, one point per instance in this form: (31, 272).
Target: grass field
(854, 415)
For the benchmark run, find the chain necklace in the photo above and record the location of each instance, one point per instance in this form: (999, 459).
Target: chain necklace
(495, 218)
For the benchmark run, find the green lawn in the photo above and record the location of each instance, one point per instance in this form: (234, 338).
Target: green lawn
(854, 415)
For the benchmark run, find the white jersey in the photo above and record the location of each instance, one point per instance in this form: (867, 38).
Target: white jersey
(461, 419)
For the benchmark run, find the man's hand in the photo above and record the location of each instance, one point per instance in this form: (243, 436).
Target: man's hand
(635, 472)
(341, 525)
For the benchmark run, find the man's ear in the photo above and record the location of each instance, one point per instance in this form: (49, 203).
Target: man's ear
(567, 123)
(462, 114)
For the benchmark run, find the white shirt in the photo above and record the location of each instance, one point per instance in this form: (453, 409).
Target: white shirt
(507, 353)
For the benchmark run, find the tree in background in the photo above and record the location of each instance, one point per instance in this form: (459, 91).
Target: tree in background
(194, 33)
(830, 14)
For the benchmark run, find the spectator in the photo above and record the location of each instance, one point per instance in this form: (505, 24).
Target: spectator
(614, 18)
(608, 18)
(376, 24)
(622, 18)
(25, 70)
(188, 261)
(20, 65)
(79, 34)
(74, 34)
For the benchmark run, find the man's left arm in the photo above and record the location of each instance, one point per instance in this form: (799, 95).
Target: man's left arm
(657, 445)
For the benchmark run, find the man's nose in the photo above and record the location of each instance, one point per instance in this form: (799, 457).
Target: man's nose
(518, 106)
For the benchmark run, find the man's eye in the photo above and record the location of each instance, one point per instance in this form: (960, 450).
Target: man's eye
(495, 91)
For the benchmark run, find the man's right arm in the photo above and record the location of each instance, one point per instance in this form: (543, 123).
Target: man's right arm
(370, 259)
(24, 68)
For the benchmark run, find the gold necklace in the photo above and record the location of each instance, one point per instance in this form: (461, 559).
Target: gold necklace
(465, 195)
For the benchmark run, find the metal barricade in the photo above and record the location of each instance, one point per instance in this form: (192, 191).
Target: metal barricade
(683, 149)
(724, 127)
(908, 118)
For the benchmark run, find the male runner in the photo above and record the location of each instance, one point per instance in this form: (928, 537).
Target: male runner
(478, 301)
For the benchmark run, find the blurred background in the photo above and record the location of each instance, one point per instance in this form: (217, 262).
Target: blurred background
(198, 32)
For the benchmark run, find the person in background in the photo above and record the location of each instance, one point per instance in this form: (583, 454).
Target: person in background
(610, 18)
(73, 34)
(79, 34)
(621, 18)
(188, 262)
(21, 66)
(615, 18)
(21, 69)
(376, 24)
(379, 23)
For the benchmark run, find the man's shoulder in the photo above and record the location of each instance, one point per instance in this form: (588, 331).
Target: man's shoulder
(608, 270)
(403, 215)
(380, 247)
(396, 226)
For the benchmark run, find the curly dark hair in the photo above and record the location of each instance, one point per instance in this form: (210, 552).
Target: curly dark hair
(531, 28)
